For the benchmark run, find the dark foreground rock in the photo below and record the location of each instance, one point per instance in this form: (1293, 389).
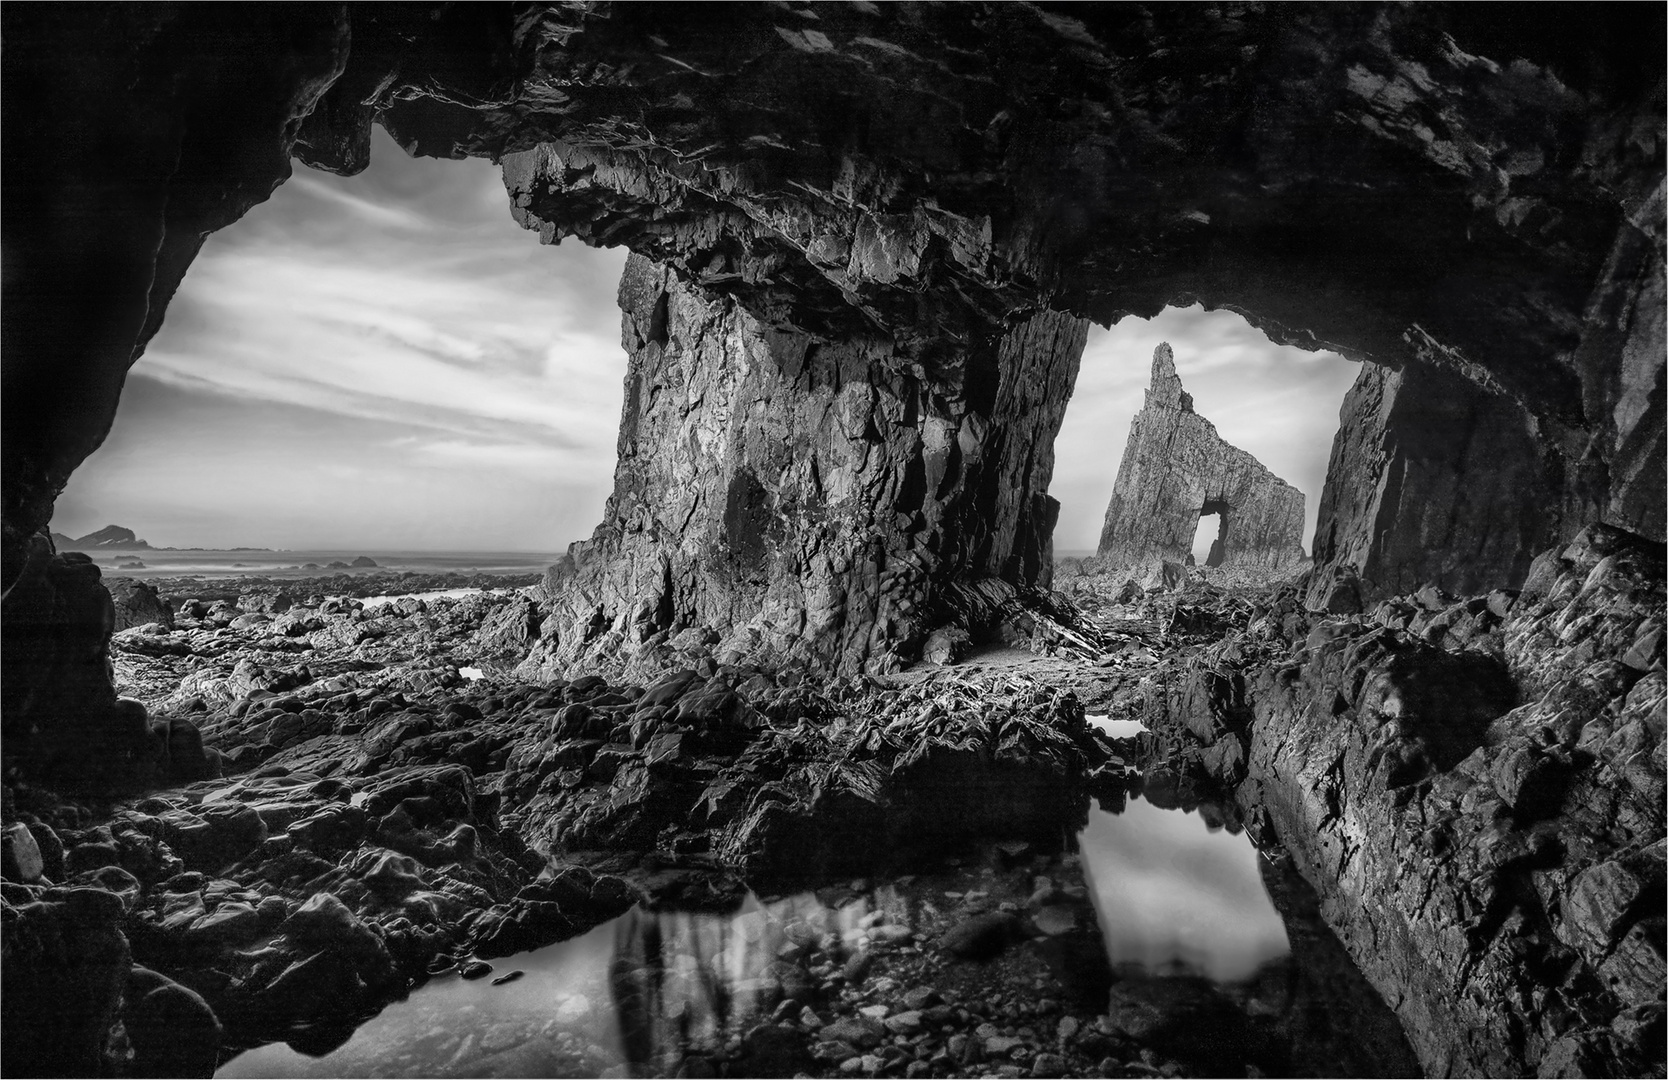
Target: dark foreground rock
(368, 832)
(1475, 787)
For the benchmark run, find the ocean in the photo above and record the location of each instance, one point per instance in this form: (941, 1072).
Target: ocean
(313, 563)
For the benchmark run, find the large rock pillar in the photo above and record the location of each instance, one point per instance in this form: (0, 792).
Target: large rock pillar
(806, 500)
(1176, 469)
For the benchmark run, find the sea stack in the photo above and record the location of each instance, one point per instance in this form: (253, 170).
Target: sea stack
(1176, 469)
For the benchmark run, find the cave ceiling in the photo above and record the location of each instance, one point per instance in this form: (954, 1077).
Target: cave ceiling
(1447, 184)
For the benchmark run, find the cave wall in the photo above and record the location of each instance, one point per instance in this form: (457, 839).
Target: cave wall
(1432, 481)
(1176, 467)
(806, 500)
(1436, 479)
(1450, 186)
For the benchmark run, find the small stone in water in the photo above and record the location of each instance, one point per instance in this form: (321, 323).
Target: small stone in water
(508, 977)
(475, 969)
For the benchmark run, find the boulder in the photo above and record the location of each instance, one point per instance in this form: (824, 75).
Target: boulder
(948, 645)
(137, 603)
(173, 1031)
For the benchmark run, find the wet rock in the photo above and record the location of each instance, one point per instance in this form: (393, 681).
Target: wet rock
(137, 603)
(20, 855)
(324, 922)
(67, 963)
(948, 645)
(1444, 751)
(981, 937)
(774, 1050)
(173, 1031)
(859, 1032)
(510, 630)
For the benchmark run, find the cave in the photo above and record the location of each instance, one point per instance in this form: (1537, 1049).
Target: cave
(867, 243)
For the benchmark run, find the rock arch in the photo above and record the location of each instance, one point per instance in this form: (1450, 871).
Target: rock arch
(1449, 193)
(1177, 469)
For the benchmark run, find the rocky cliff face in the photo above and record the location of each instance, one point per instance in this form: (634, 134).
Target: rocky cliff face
(1456, 188)
(1433, 481)
(1475, 786)
(806, 500)
(1175, 469)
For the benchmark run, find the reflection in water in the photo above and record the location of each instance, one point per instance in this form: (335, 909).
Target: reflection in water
(1173, 894)
(633, 996)
(639, 995)
(1118, 729)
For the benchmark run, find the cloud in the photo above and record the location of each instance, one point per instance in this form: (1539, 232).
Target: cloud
(364, 355)
(372, 213)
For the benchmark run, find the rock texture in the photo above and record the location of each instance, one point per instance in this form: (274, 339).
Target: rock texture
(1175, 469)
(807, 500)
(136, 603)
(1476, 789)
(1454, 187)
(1434, 480)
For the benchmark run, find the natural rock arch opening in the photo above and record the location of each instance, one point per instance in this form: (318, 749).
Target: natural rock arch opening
(1208, 543)
(1507, 309)
(888, 224)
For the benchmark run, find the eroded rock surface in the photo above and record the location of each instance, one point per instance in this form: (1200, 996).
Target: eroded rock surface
(1433, 480)
(1475, 787)
(802, 499)
(1175, 469)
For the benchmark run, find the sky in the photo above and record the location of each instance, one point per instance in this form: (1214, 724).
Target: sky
(385, 360)
(389, 361)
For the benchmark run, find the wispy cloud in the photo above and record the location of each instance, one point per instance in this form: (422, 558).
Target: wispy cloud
(362, 351)
(372, 213)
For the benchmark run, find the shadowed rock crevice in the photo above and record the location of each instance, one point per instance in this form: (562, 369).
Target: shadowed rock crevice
(1176, 469)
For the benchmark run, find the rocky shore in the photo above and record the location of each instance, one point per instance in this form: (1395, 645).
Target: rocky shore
(1474, 785)
(354, 800)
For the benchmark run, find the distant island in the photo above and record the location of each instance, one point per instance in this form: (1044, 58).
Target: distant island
(118, 538)
(109, 538)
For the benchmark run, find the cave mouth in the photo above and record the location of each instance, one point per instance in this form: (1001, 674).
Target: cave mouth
(1231, 416)
(472, 407)
(1210, 536)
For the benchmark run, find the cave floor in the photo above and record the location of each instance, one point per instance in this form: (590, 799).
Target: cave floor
(947, 924)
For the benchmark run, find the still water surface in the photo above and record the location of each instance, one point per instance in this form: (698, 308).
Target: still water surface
(1173, 896)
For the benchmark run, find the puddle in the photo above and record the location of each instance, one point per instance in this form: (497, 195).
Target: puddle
(633, 995)
(1185, 918)
(1174, 895)
(471, 673)
(1117, 729)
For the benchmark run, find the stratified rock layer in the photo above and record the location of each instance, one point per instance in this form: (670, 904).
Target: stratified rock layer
(1476, 789)
(1448, 186)
(1175, 469)
(807, 500)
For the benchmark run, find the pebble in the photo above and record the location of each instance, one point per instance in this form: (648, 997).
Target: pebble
(507, 977)
(476, 969)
